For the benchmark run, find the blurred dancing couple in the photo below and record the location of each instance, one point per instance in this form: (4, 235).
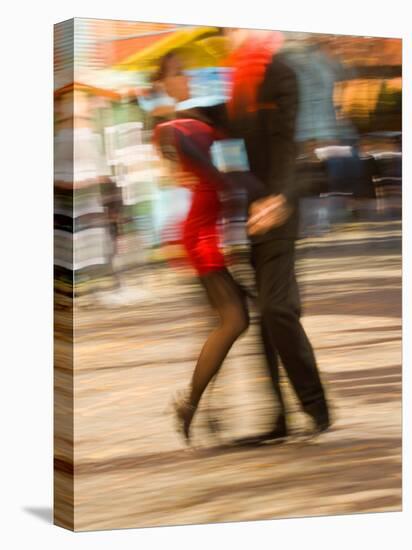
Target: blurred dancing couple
(261, 111)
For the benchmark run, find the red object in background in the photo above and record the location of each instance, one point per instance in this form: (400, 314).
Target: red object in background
(249, 62)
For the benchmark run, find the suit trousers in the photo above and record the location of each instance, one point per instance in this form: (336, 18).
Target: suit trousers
(282, 332)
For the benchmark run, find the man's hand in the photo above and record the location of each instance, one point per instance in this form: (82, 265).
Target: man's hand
(267, 213)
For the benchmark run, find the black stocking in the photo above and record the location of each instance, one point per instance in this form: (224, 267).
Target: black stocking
(229, 303)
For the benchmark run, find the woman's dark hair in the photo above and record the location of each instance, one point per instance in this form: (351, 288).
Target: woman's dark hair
(164, 65)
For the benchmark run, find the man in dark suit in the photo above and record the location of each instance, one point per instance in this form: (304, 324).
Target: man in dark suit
(268, 130)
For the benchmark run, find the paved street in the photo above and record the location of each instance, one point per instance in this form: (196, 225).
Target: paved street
(132, 470)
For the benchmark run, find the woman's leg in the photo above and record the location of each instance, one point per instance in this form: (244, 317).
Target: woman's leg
(229, 302)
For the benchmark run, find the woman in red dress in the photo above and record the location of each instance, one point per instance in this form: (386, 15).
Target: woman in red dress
(186, 142)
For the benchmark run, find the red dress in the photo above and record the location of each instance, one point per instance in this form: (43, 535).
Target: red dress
(200, 235)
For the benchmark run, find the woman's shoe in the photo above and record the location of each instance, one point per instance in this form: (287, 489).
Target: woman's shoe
(184, 412)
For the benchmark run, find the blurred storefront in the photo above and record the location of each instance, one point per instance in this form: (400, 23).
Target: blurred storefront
(350, 85)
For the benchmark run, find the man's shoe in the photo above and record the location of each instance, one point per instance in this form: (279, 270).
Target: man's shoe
(319, 413)
(322, 424)
(277, 435)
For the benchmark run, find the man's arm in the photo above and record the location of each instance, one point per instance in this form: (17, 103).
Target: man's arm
(280, 87)
(280, 93)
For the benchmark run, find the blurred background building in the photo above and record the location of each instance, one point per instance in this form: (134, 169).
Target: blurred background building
(126, 209)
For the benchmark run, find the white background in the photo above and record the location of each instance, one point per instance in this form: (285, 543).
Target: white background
(26, 273)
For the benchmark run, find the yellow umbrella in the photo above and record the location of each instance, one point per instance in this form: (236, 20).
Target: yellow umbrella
(208, 52)
(146, 59)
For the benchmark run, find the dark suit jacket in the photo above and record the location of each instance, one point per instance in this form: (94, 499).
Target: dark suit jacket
(269, 136)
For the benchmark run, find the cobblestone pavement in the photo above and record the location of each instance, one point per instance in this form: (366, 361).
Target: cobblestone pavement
(132, 470)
